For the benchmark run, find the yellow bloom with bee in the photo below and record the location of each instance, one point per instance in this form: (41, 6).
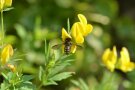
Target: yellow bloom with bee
(76, 36)
(109, 58)
(5, 3)
(6, 53)
(72, 39)
(124, 62)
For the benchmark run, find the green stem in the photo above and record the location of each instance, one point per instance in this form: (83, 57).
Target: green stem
(2, 27)
(68, 25)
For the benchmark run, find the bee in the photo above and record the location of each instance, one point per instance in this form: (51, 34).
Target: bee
(68, 44)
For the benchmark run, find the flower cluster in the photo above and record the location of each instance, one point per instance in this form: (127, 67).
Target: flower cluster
(78, 31)
(112, 61)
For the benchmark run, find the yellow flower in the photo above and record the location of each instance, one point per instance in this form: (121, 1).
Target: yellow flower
(7, 52)
(5, 3)
(109, 58)
(124, 61)
(80, 29)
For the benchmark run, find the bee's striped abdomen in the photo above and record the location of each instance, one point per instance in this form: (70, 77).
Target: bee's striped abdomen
(67, 46)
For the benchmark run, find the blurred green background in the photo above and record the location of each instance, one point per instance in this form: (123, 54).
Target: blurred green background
(31, 21)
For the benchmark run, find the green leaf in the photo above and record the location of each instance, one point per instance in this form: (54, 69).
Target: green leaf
(56, 70)
(8, 9)
(27, 77)
(50, 82)
(81, 84)
(60, 65)
(4, 76)
(61, 76)
(47, 52)
(75, 83)
(84, 85)
(40, 73)
(27, 86)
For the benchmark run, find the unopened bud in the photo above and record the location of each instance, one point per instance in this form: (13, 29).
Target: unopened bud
(11, 67)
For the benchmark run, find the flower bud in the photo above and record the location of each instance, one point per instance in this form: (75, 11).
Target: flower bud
(11, 67)
(7, 52)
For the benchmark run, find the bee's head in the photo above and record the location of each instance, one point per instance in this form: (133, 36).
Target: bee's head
(67, 39)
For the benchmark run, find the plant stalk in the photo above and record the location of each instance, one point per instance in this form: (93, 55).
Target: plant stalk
(2, 27)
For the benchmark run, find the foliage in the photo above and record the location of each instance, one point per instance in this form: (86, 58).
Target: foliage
(32, 27)
(17, 81)
(51, 71)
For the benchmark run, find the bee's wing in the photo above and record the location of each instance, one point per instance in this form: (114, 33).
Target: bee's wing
(79, 46)
(57, 46)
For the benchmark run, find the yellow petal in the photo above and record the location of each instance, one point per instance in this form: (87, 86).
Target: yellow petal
(130, 66)
(7, 52)
(109, 55)
(106, 55)
(79, 39)
(110, 66)
(8, 3)
(2, 4)
(82, 19)
(127, 67)
(125, 55)
(73, 48)
(109, 58)
(77, 34)
(65, 34)
(74, 30)
(81, 28)
(5, 3)
(88, 29)
(85, 29)
(114, 52)
(124, 61)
